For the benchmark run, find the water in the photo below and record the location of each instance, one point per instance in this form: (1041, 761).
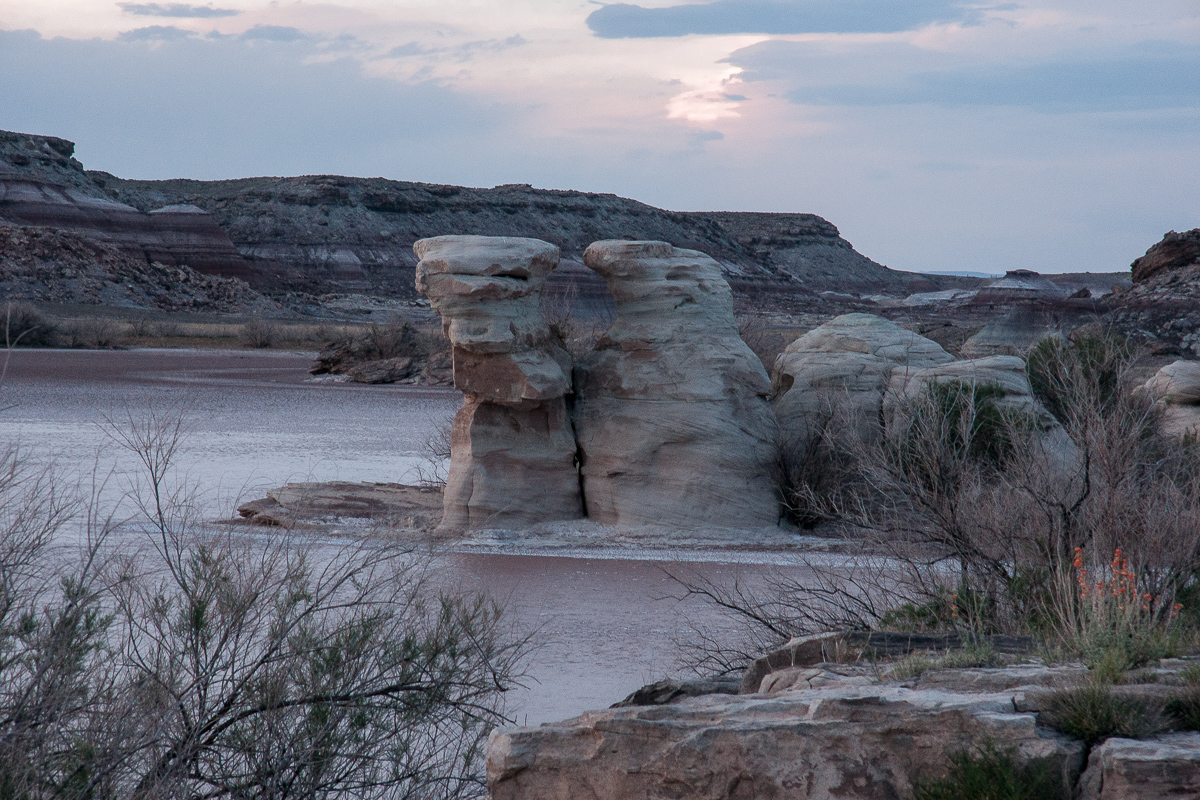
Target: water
(603, 626)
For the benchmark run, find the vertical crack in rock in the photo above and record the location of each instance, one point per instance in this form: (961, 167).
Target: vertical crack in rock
(671, 407)
(513, 452)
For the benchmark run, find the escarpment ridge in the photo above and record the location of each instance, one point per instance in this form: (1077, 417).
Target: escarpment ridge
(327, 233)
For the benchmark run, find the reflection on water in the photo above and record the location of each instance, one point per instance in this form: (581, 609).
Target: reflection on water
(603, 627)
(255, 420)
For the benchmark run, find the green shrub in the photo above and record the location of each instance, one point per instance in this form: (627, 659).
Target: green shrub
(1190, 675)
(1184, 708)
(991, 773)
(973, 656)
(1094, 712)
(1056, 369)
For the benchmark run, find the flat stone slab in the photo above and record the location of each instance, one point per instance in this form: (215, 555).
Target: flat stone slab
(303, 503)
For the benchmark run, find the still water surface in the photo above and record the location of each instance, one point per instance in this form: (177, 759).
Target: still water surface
(605, 626)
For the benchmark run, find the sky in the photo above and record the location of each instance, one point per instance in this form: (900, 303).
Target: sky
(1054, 135)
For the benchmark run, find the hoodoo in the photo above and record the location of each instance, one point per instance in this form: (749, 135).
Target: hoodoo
(512, 448)
(671, 407)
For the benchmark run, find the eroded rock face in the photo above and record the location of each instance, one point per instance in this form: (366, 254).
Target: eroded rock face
(843, 741)
(512, 445)
(848, 362)
(671, 408)
(1177, 388)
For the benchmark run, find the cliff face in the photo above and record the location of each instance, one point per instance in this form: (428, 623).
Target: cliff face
(325, 233)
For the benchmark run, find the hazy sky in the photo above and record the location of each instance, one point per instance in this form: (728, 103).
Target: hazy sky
(1056, 135)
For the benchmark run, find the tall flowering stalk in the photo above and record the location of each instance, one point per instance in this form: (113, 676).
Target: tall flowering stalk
(1109, 608)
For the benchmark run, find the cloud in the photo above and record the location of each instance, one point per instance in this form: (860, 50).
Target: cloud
(625, 21)
(222, 108)
(409, 49)
(155, 33)
(273, 33)
(1147, 76)
(181, 10)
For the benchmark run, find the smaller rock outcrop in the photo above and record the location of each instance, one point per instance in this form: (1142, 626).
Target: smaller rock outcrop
(1175, 251)
(671, 407)
(1176, 387)
(1019, 285)
(299, 504)
(1163, 768)
(1005, 373)
(848, 361)
(512, 446)
(1012, 334)
(1163, 306)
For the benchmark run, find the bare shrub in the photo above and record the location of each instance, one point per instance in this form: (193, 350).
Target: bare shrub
(141, 327)
(61, 723)
(815, 463)
(24, 325)
(974, 515)
(259, 333)
(167, 330)
(394, 339)
(766, 342)
(557, 304)
(98, 333)
(435, 455)
(200, 664)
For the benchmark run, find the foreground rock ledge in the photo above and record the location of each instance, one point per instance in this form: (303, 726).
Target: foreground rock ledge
(849, 742)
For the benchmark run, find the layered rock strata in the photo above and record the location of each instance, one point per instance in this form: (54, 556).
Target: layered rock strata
(847, 364)
(671, 408)
(42, 185)
(512, 445)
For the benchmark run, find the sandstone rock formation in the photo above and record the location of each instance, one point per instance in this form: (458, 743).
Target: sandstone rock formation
(1020, 285)
(671, 413)
(844, 740)
(512, 445)
(848, 361)
(1177, 388)
(1163, 306)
